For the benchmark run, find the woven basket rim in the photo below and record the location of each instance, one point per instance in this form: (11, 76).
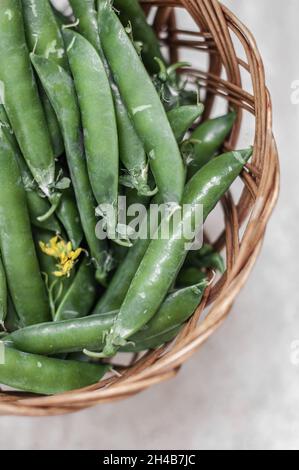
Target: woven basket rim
(261, 182)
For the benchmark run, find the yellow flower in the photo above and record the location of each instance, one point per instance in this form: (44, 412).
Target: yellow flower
(63, 252)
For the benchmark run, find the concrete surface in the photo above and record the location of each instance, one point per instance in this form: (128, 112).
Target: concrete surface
(241, 391)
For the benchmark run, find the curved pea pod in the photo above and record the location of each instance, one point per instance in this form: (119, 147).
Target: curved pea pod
(44, 38)
(99, 123)
(165, 255)
(182, 118)
(89, 332)
(188, 276)
(61, 92)
(37, 205)
(68, 214)
(19, 94)
(17, 247)
(208, 138)
(131, 12)
(3, 294)
(44, 375)
(81, 295)
(143, 104)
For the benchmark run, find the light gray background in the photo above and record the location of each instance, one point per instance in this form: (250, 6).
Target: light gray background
(240, 391)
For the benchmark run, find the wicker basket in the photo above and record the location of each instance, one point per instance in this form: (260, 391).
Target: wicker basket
(217, 34)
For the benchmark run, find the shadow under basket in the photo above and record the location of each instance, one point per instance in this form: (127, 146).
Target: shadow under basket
(228, 67)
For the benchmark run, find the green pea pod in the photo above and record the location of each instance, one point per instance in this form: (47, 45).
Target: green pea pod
(19, 94)
(45, 39)
(37, 206)
(99, 123)
(132, 153)
(177, 308)
(85, 13)
(121, 280)
(12, 321)
(182, 118)
(132, 197)
(89, 332)
(132, 12)
(3, 294)
(131, 150)
(189, 276)
(17, 247)
(123, 276)
(81, 294)
(165, 255)
(44, 375)
(153, 342)
(42, 31)
(206, 257)
(188, 97)
(208, 138)
(67, 213)
(60, 89)
(143, 104)
(53, 126)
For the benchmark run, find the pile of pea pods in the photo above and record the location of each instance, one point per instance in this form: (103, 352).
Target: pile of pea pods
(90, 110)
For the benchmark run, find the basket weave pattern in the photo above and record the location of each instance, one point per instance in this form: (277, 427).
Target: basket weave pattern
(215, 34)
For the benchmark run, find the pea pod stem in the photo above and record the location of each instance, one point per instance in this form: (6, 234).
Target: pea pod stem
(55, 200)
